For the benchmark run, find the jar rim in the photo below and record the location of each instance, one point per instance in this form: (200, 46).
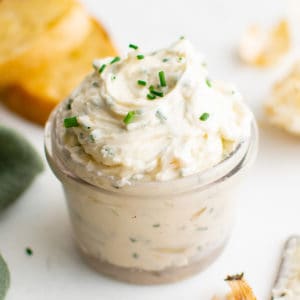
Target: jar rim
(245, 151)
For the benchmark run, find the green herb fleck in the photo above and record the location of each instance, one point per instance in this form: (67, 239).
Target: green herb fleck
(133, 240)
(281, 295)
(101, 69)
(165, 60)
(202, 228)
(180, 59)
(204, 116)
(140, 56)
(29, 251)
(91, 138)
(95, 84)
(160, 116)
(116, 59)
(162, 78)
(113, 77)
(71, 122)
(129, 117)
(151, 97)
(135, 47)
(156, 225)
(182, 37)
(135, 255)
(208, 82)
(141, 82)
(69, 104)
(232, 92)
(108, 150)
(157, 93)
(154, 92)
(115, 212)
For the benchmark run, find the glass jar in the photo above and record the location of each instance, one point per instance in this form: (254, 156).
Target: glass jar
(153, 232)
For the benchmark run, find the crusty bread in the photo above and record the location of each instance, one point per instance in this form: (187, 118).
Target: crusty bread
(32, 31)
(35, 94)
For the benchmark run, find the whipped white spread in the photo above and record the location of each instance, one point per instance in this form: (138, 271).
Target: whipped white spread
(150, 118)
(187, 126)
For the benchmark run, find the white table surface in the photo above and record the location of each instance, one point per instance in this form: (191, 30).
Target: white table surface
(269, 204)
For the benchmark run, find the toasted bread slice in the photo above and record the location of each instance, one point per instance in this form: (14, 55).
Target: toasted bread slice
(35, 96)
(34, 30)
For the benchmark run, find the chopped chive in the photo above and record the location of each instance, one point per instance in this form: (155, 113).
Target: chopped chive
(160, 116)
(101, 69)
(180, 59)
(95, 84)
(141, 82)
(28, 251)
(157, 93)
(116, 59)
(91, 138)
(133, 240)
(129, 117)
(208, 82)
(156, 225)
(165, 60)
(113, 77)
(71, 122)
(140, 56)
(135, 255)
(162, 78)
(151, 97)
(204, 116)
(69, 104)
(135, 47)
(182, 37)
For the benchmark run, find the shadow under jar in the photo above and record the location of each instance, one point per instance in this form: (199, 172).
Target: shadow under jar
(153, 232)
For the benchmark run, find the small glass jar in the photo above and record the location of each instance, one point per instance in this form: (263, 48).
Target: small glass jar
(153, 232)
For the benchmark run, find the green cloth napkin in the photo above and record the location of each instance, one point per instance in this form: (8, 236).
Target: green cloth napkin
(4, 278)
(19, 164)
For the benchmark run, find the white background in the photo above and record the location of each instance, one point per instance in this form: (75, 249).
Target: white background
(269, 204)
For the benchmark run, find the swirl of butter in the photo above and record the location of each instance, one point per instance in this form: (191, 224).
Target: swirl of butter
(192, 123)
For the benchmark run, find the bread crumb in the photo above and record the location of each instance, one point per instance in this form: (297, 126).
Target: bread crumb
(263, 48)
(283, 107)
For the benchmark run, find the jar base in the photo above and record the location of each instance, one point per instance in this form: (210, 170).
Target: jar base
(140, 277)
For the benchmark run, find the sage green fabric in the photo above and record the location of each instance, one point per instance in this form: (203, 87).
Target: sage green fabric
(4, 278)
(19, 164)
